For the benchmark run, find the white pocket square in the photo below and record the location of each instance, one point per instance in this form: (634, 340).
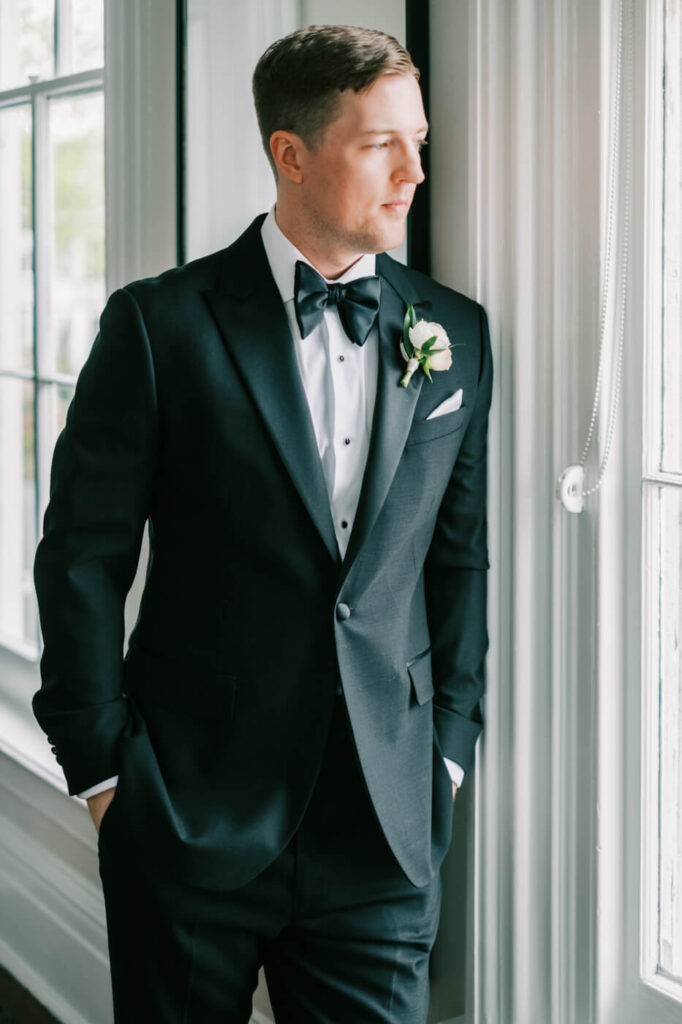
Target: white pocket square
(450, 404)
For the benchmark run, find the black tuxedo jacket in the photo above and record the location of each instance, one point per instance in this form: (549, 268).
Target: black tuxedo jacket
(190, 414)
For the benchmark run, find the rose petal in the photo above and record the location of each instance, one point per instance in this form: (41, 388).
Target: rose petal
(420, 333)
(441, 359)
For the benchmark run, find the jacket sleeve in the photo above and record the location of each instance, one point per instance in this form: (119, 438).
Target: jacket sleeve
(455, 576)
(100, 494)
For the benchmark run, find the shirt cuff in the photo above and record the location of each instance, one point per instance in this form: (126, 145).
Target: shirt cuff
(455, 771)
(99, 788)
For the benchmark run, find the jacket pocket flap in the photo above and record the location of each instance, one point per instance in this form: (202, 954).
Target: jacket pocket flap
(419, 668)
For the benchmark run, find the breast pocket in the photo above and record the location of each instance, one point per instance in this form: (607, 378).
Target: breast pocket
(440, 426)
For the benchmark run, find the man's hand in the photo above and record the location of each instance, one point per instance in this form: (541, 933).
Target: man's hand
(97, 805)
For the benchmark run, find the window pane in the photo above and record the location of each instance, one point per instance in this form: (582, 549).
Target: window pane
(670, 729)
(671, 448)
(16, 239)
(17, 510)
(87, 22)
(77, 283)
(26, 41)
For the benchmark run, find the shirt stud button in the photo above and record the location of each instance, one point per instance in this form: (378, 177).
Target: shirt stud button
(344, 523)
(346, 440)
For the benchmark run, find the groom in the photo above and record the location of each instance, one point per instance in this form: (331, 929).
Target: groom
(271, 767)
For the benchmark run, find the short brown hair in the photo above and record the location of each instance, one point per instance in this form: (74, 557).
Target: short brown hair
(298, 80)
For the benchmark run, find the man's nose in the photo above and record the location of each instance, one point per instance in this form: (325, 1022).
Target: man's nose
(410, 168)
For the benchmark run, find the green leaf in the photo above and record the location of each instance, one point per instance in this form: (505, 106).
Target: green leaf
(413, 315)
(428, 345)
(409, 347)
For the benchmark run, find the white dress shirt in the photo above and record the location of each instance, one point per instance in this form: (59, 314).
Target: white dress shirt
(340, 383)
(339, 379)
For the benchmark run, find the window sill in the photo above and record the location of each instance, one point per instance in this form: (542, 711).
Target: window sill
(22, 648)
(21, 738)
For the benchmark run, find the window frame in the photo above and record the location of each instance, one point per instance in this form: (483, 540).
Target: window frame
(656, 982)
(141, 205)
(629, 989)
(37, 95)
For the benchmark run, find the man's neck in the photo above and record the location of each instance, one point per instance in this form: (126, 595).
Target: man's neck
(328, 262)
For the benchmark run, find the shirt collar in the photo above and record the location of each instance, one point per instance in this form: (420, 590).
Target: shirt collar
(282, 255)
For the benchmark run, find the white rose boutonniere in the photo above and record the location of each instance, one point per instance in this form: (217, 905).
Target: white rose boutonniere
(424, 344)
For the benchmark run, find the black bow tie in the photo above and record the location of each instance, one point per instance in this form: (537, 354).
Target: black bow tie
(357, 302)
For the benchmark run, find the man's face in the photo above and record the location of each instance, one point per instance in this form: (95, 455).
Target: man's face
(358, 184)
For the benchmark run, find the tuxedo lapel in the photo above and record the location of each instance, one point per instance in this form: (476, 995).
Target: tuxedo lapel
(249, 312)
(394, 405)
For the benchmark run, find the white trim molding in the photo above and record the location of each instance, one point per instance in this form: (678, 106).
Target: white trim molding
(52, 932)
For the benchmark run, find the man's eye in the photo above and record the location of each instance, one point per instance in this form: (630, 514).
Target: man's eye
(380, 145)
(421, 143)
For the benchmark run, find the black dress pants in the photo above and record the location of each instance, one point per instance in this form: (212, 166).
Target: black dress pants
(343, 936)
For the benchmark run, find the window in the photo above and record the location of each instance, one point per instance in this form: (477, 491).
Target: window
(52, 262)
(662, 519)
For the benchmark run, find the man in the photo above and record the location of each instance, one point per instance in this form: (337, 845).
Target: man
(270, 766)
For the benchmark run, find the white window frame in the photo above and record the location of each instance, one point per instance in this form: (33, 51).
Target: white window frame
(629, 989)
(139, 80)
(661, 992)
(37, 95)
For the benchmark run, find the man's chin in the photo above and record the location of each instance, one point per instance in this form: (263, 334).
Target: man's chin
(377, 237)
(382, 241)
(393, 242)
(394, 232)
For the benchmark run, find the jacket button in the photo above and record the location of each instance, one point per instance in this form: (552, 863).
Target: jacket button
(342, 612)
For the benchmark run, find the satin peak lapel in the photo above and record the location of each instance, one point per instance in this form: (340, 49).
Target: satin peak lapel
(249, 312)
(394, 406)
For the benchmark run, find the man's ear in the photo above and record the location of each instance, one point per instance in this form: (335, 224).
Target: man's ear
(287, 151)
